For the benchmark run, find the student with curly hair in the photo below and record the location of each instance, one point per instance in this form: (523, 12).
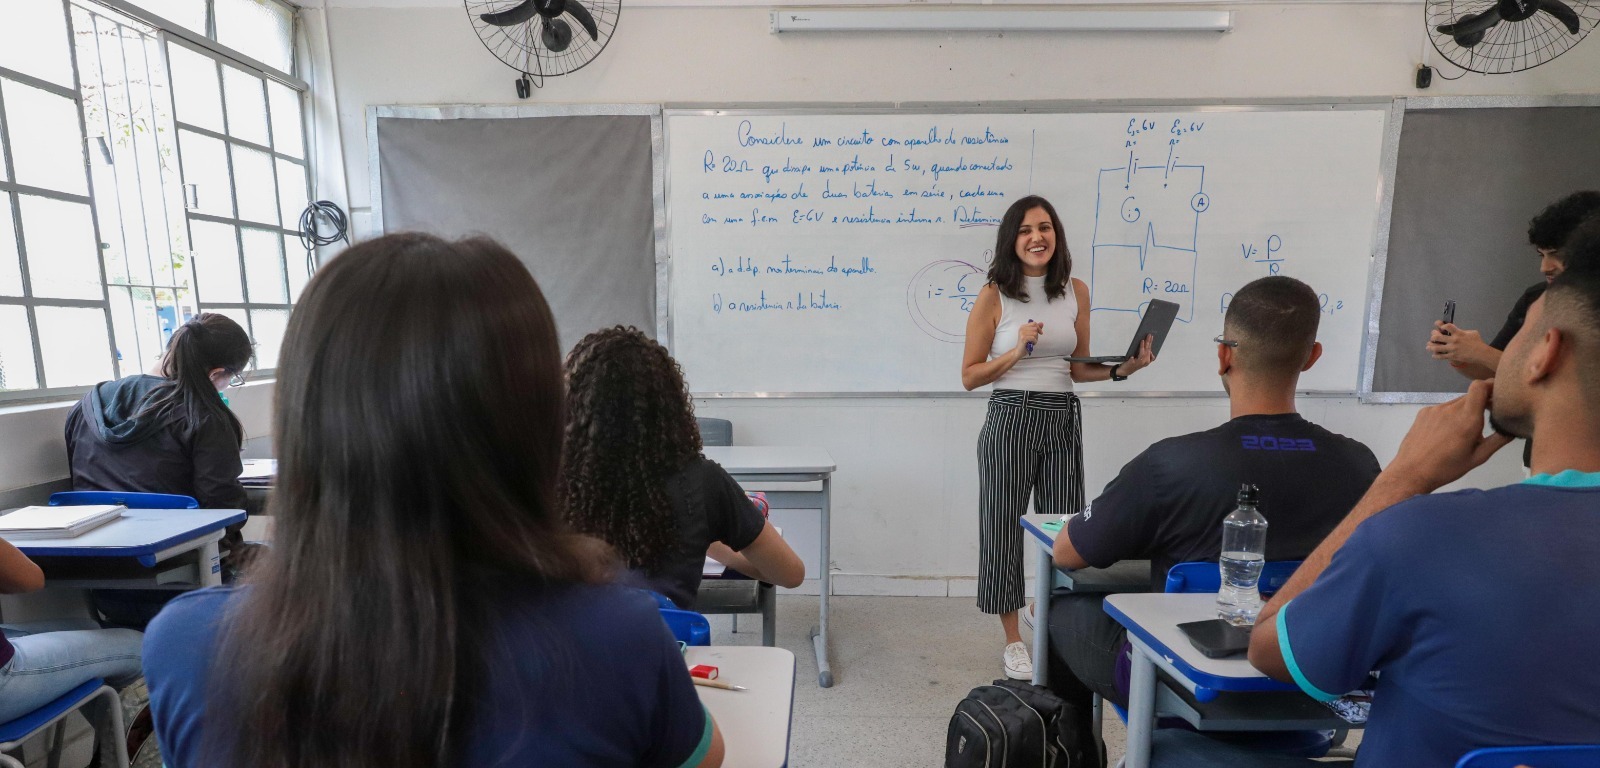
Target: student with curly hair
(634, 475)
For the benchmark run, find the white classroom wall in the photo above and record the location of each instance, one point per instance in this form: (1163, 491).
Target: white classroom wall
(905, 495)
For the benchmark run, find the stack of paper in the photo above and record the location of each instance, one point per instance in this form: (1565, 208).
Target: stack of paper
(259, 472)
(57, 522)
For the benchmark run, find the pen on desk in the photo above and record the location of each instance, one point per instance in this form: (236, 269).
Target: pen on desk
(718, 684)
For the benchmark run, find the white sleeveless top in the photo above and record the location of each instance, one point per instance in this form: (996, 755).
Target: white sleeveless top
(1038, 373)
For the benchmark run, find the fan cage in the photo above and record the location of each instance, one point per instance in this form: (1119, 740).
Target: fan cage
(1508, 46)
(520, 47)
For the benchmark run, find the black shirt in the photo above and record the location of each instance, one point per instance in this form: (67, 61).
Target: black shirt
(708, 507)
(1518, 316)
(1167, 505)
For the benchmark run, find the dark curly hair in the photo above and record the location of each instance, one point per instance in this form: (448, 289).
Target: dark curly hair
(1551, 228)
(630, 427)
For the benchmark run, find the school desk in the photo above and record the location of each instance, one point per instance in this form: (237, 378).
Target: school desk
(755, 723)
(779, 464)
(129, 552)
(1126, 576)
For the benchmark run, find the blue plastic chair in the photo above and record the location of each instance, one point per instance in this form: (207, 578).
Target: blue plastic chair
(14, 733)
(125, 498)
(1190, 578)
(689, 627)
(1584, 756)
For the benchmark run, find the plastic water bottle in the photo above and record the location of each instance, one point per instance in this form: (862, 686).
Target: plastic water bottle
(1244, 550)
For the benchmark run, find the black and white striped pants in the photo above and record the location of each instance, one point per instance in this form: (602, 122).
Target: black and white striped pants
(1031, 444)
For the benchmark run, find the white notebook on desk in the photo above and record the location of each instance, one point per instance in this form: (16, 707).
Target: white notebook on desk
(57, 522)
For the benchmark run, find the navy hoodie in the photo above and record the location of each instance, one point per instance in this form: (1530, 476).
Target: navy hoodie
(112, 448)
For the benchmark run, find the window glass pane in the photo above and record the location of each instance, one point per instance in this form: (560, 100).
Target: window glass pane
(252, 178)
(267, 327)
(46, 143)
(299, 264)
(205, 169)
(33, 40)
(75, 346)
(63, 260)
(195, 88)
(189, 14)
(247, 105)
(291, 193)
(16, 350)
(144, 320)
(10, 261)
(288, 131)
(263, 265)
(216, 262)
(260, 29)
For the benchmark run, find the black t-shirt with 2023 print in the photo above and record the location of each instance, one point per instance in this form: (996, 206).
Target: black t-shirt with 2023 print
(1167, 504)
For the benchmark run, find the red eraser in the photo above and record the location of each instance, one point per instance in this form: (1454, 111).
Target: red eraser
(705, 671)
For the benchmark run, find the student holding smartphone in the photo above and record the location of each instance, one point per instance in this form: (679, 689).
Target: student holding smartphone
(1548, 232)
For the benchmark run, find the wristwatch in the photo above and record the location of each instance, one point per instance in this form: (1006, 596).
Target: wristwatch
(1117, 376)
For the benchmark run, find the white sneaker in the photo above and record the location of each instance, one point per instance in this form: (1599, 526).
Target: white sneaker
(1019, 666)
(1026, 614)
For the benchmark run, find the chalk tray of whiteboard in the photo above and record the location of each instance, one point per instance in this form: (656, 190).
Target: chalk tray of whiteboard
(838, 251)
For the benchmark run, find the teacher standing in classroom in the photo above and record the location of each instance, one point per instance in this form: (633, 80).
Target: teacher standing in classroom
(1027, 320)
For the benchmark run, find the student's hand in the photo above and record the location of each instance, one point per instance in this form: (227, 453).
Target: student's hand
(1449, 342)
(1447, 441)
(1029, 333)
(1141, 360)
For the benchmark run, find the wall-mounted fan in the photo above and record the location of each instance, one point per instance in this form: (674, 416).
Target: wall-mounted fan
(1500, 36)
(544, 38)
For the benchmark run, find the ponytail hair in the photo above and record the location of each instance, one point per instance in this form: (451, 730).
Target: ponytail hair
(207, 342)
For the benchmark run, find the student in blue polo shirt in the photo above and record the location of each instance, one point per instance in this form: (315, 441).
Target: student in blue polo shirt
(423, 604)
(1478, 609)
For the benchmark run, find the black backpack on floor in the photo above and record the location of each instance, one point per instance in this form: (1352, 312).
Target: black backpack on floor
(1012, 724)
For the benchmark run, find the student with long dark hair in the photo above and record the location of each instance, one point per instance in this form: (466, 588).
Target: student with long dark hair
(168, 431)
(424, 603)
(635, 477)
(1026, 320)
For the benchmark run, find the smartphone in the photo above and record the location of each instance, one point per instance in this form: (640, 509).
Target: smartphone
(1449, 313)
(1217, 639)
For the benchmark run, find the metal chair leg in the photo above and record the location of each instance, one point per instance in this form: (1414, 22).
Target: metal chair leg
(768, 595)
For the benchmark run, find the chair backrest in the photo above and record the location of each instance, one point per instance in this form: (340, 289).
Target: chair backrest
(1198, 577)
(126, 499)
(689, 627)
(1584, 756)
(715, 432)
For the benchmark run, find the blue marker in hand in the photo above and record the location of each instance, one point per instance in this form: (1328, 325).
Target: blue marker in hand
(1030, 344)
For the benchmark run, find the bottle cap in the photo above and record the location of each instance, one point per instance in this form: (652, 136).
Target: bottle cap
(1249, 494)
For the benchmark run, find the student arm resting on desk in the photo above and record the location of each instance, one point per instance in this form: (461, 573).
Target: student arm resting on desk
(1124, 527)
(18, 574)
(1345, 575)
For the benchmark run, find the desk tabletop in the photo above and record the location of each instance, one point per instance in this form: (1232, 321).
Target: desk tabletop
(755, 723)
(1126, 576)
(137, 533)
(771, 459)
(1154, 618)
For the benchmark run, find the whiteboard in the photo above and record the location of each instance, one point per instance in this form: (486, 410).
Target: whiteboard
(842, 253)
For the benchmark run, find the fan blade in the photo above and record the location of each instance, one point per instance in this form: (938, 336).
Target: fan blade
(511, 17)
(584, 18)
(1469, 31)
(1563, 14)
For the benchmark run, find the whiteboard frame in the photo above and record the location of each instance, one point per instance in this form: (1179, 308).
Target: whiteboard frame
(658, 160)
(807, 109)
(1380, 246)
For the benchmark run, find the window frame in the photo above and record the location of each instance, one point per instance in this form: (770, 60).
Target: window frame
(167, 33)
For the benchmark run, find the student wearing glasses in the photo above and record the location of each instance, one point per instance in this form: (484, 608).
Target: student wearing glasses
(168, 431)
(1167, 504)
